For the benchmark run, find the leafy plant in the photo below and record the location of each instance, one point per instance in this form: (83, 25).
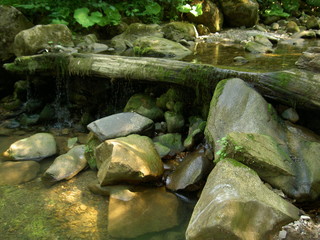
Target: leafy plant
(196, 10)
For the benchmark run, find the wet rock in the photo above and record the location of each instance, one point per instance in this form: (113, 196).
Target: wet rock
(30, 41)
(202, 30)
(144, 211)
(176, 31)
(256, 47)
(234, 204)
(159, 47)
(240, 13)
(310, 59)
(35, 147)
(239, 60)
(13, 173)
(28, 120)
(20, 90)
(190, 173)
(12, 22)
(291, 115)
(175, 121)
(305, 34)
(195, 133)
(66, 166)
(211, 17)
(47, 114)
(172, 141)
(132, 159)
(120, 125)
(133, 32)
(145, 106)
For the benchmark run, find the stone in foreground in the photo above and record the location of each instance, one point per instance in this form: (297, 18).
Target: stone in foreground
(66, 166)
(134, 213)
(35, 147)
(235, 205)
(13, 173)
(120, 125)
(132, 159)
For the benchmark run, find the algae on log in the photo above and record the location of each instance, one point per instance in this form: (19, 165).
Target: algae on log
(297, 88)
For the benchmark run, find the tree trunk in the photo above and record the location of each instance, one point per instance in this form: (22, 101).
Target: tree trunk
(297, 88)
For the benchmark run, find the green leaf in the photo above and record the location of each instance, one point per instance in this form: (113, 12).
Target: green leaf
(314, 3)
(197, 10)
(82, 17)
(59, 21)
(184, 8)
(152, 9)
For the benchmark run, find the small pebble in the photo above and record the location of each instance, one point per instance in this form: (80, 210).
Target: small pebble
(282, 234)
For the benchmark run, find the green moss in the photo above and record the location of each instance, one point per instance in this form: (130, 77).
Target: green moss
(239, 164)
(217, 92)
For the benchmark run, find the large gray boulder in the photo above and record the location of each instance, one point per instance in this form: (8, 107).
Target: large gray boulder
(310, 59)
(235, 204)
(150, 46)
(66, 166)
(239, 13)
(12, 22)
(211, 17)
(31, 41)
(142, 211)
(236, 107)
(35, 147)
(242, 125)
(132, 159)
(121, 125)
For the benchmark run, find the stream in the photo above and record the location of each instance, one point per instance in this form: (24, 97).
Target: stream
(68, 210)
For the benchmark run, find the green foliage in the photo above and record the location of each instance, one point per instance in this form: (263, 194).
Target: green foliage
(98, 12)
(314, 3)
(281, 8)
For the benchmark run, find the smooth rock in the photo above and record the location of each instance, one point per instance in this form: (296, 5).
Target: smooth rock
(235, 204)
(175, 121)
(190, 173)
(35, 147)
(176, 31)
(30, 41)
(132, 214)
(66, 166)
(159, 47)
(120, 125)
(12, 173)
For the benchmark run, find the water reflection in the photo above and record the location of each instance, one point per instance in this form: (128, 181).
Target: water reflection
(284, 56)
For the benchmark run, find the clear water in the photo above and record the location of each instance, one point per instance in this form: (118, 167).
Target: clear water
(284, 56)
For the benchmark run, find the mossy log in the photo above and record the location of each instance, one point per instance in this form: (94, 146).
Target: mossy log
(297, 88)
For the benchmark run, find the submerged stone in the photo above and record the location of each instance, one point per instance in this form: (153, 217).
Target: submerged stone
(134, 213)
(13, 173)
(235, 204)
(120, 125)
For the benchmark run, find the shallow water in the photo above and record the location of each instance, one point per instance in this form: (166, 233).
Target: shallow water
(68, 210)
(285, 54)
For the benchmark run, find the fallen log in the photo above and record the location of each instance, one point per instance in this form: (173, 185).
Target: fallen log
(297, 88)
